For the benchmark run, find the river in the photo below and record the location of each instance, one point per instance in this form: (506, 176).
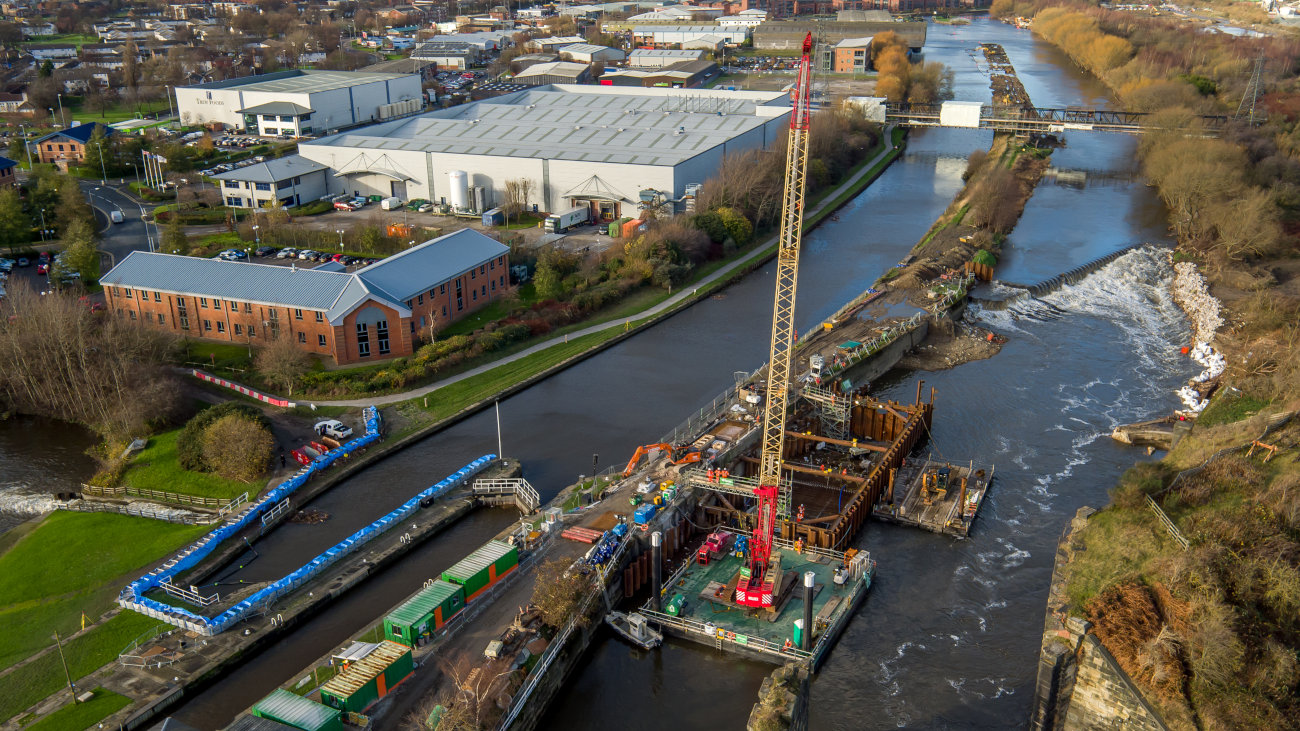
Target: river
(949, 634)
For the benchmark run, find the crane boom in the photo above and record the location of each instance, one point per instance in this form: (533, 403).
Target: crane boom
(757, 588)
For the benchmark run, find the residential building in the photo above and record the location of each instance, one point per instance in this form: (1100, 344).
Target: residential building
(581, 145)
(15, 104)
(7, 169)
(68, 146)
(375, 313)
(320, 100)
(292, 180)
(849, 56)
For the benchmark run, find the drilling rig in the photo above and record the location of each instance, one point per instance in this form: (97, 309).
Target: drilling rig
(759, 581)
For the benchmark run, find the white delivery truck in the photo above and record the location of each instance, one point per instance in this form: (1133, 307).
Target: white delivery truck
(562, 221)
(391, 204)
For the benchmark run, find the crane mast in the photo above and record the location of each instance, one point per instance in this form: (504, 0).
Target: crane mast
(757, 586)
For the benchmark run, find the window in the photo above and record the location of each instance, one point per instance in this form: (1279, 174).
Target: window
(471, 274)
(207, 325)
(413, 325)
(494, 286)
(420, 299)
(268, 117)
(239, 329)
(60, 148)
(320, 317)
(443, 288)
(216, 304)
(381, 333)
(484, 290)
(203, 302)
(157, 296)
(144, 296)
(180, 305)
(185, 322)
(221, 326)
(125, 293)
(232, 183)
(161, 319)
(286, 117)
(297, 314)
(302, 337)
(320, 340)
(503, 280)
(431, 295)
(132, 314)
(363, 341)
(233, 201)
(444, 310)
(297, 180)
(262, 186)
(271, 131)
(282, 184)
(482, 269)
(251, 333)
(492, 264)
(474, 295)
(248, 307)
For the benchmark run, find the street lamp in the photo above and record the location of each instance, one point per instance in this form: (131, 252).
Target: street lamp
(256, 239)
(340, 233)
(62, 117)
(42, 224)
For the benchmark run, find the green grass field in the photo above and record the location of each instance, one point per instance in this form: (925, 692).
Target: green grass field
(78, 38)
(156, 468)
(80, 716)
(115, 113)
(73, 563)
(85, 654)
(219, 355)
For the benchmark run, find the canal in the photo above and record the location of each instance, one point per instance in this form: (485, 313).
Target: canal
(949, 634)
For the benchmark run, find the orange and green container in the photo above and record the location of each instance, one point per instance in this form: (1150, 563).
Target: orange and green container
(368, 679)
(484, 567)
(425, 612)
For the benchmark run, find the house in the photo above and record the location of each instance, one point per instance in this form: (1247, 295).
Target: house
(375, 313)
(53, 51)
(15, 104)
(292, 180)
(7, 169)
(68, 146)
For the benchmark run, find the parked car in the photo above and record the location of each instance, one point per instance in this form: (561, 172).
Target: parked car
(24, 261)
(334, 429)
(415, 204)
(348, 205)
(337, 257)
(43, 268)
(306, 254)
(265, 251)
(233, 255)
(425, 208)
(6, 265)
(44, 258)
(360, 201)
(287, 252)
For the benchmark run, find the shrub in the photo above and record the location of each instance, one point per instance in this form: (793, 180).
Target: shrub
(189, 444)
(985, 258)
(238, 447)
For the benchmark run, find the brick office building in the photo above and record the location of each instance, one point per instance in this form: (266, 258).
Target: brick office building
(68, 146)
(375, 313)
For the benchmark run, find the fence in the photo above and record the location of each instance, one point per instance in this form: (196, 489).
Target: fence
(252, 393)
(139, 511)
(157, 495)
(876, 345)
(1169, 524)
(718, 407)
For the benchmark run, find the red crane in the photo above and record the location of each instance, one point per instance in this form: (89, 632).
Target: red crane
(758, 582)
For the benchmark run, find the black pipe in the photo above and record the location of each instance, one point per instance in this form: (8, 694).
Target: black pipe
(656, 568)
(809, 578)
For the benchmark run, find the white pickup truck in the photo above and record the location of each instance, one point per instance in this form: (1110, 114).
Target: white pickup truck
(334, 429)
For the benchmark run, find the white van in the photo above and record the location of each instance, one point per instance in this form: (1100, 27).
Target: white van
(116, 216)
(389, 204)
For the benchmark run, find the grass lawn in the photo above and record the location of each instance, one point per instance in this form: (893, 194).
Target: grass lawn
(115, 113)
(80, 716)
(224, 240)
(85, 654)
(77, 38)
(467, 325)
(156, 468)
(219, 355)
(1227, 407)
(47, 581)
(1121, 544)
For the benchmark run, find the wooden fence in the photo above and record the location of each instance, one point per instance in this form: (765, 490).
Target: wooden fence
(155, 495)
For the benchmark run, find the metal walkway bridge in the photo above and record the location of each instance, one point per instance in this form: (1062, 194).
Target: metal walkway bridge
(1043, 120)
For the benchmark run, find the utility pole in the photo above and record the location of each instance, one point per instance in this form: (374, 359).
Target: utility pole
(59, 644)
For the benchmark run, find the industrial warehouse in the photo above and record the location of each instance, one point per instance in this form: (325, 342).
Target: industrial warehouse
(600, 147)
(300, 102)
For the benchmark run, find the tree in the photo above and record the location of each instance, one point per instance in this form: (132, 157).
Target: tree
(738, 227)
(558, 590)
(15, 226)
(72, 204)
(98, 152)
(547, 279)
(80, 254)
(17, 148)
(237, 448)
(174, 239)
(46, 70)
(518, 191)
(130, 61)
(281, 362)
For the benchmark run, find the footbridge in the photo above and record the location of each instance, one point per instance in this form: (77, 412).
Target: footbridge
(1025, 120)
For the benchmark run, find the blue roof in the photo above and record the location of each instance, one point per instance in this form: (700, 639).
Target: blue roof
(81, 132)
(435, 261)
(6, 163)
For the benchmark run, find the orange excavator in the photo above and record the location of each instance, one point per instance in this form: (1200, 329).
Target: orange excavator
(673, 457)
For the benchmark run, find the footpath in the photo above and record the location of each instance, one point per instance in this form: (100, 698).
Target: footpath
(757, 254)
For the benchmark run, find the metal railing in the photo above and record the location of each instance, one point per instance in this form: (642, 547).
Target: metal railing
(273, 514)
(233, 505)
(525, 494)
(139, 511)
(189, 595)
(716, 408)
(718, 634)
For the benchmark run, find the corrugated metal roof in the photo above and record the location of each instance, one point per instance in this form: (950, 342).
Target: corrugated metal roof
(273, 171)
(298, 81)
(296, 710)
(429, 598)
(554, 68)
(479, 559)
(363, 671)
(415, 270)
(245, 282)
(253, 723)
(276, 108)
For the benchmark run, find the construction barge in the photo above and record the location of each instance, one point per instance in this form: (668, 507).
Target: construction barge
(937, 496)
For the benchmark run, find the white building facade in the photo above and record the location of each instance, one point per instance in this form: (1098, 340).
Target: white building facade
(324, 100)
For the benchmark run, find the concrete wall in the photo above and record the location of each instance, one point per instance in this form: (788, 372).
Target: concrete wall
(1080, 686)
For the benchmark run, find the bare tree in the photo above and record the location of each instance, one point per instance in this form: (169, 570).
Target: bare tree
(237, 447)
(472, 701)
(517, 193)
(281, 362)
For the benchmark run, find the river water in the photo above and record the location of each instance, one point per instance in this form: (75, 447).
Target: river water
(949, 634)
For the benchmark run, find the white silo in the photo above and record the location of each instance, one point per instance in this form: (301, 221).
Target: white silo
(459, 198)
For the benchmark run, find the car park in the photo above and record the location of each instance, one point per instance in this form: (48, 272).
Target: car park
(306, 254)
(287, 252)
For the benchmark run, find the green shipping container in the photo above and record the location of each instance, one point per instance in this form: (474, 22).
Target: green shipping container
(368, 679)
(483, 568)
(298, 712)
(427, 611)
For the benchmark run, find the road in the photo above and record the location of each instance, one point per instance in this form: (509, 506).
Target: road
(133, 234)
